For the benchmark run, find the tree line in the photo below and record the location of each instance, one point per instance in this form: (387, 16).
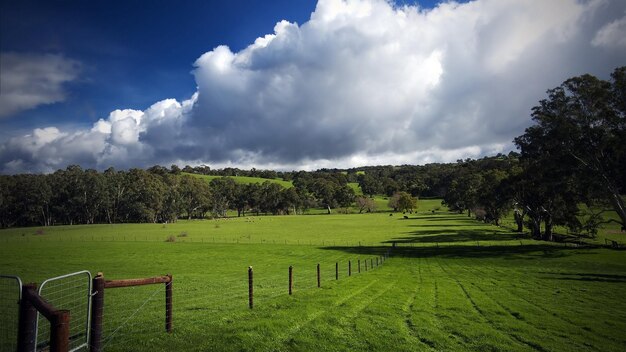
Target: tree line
(158, 194)
(569, 171)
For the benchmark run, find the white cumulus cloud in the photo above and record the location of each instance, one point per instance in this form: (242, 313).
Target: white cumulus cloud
(361, 82)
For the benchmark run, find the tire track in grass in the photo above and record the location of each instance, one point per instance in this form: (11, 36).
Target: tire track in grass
(586, 331)
(319, 313)
(523, 274)
(511, 312)
(492, 323)
(409, 307)
(350, 319)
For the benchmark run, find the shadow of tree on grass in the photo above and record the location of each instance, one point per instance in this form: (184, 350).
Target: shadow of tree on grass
(446, 235)
(525, 251)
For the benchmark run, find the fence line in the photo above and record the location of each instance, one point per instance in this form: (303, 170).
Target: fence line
(129, 316)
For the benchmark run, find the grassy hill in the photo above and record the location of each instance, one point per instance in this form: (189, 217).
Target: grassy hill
(451, 284)
(245, 179)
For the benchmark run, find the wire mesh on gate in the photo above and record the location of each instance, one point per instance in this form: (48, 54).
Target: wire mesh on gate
(134, 317)
(68, 292)
(10, 295)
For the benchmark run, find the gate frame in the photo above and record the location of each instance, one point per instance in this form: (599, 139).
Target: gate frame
(89, 296)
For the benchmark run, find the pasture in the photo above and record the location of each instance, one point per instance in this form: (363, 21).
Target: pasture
(451, 283)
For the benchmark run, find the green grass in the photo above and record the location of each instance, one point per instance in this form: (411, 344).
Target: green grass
(356, 188)
(245, 179)
(451, 284)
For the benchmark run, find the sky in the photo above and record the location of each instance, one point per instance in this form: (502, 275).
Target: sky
(286, 85)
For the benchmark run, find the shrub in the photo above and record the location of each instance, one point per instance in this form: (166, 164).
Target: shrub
(170, 238)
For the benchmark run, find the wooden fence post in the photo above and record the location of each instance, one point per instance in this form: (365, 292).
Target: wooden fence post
(97, 313)
(365, 264)
(319, 283)
(349, 268)
(27, 328)
(290, 279)
(377, 262)
(337, 271)
(60, 331)
(359, 266)
(168, 304)
(250, 288)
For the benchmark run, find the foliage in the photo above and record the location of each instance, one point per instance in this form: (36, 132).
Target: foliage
(576, 147)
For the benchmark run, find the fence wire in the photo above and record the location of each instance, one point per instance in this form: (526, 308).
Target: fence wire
(69, 292)
(10, 295)
(133, 315)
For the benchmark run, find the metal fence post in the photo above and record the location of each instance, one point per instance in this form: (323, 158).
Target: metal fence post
(337, 271)
(359, 266)
(349, 268)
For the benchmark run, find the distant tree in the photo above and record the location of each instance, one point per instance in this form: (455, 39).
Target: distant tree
(365, 203)
(222, 194)
(270, 197)
(144, 198)
(463, 190)
(369, 184)
(175, 170)
(195, 195)
(115, 191)
(493, 196)
(394, 202)
(8, 201)
(291, 200)
(406, 202)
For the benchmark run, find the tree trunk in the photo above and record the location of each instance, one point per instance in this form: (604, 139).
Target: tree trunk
(535, 227)
(547, 235)
(328, 207)
(469, 213)
(619, 207)
(519, 220)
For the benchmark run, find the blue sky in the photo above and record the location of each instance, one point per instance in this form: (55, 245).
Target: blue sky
(132, 53)
(135, 83)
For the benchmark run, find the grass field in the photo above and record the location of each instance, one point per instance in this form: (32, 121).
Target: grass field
(451, 284)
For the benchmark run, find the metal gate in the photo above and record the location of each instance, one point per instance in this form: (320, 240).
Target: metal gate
(69, 292)
(10, 296)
